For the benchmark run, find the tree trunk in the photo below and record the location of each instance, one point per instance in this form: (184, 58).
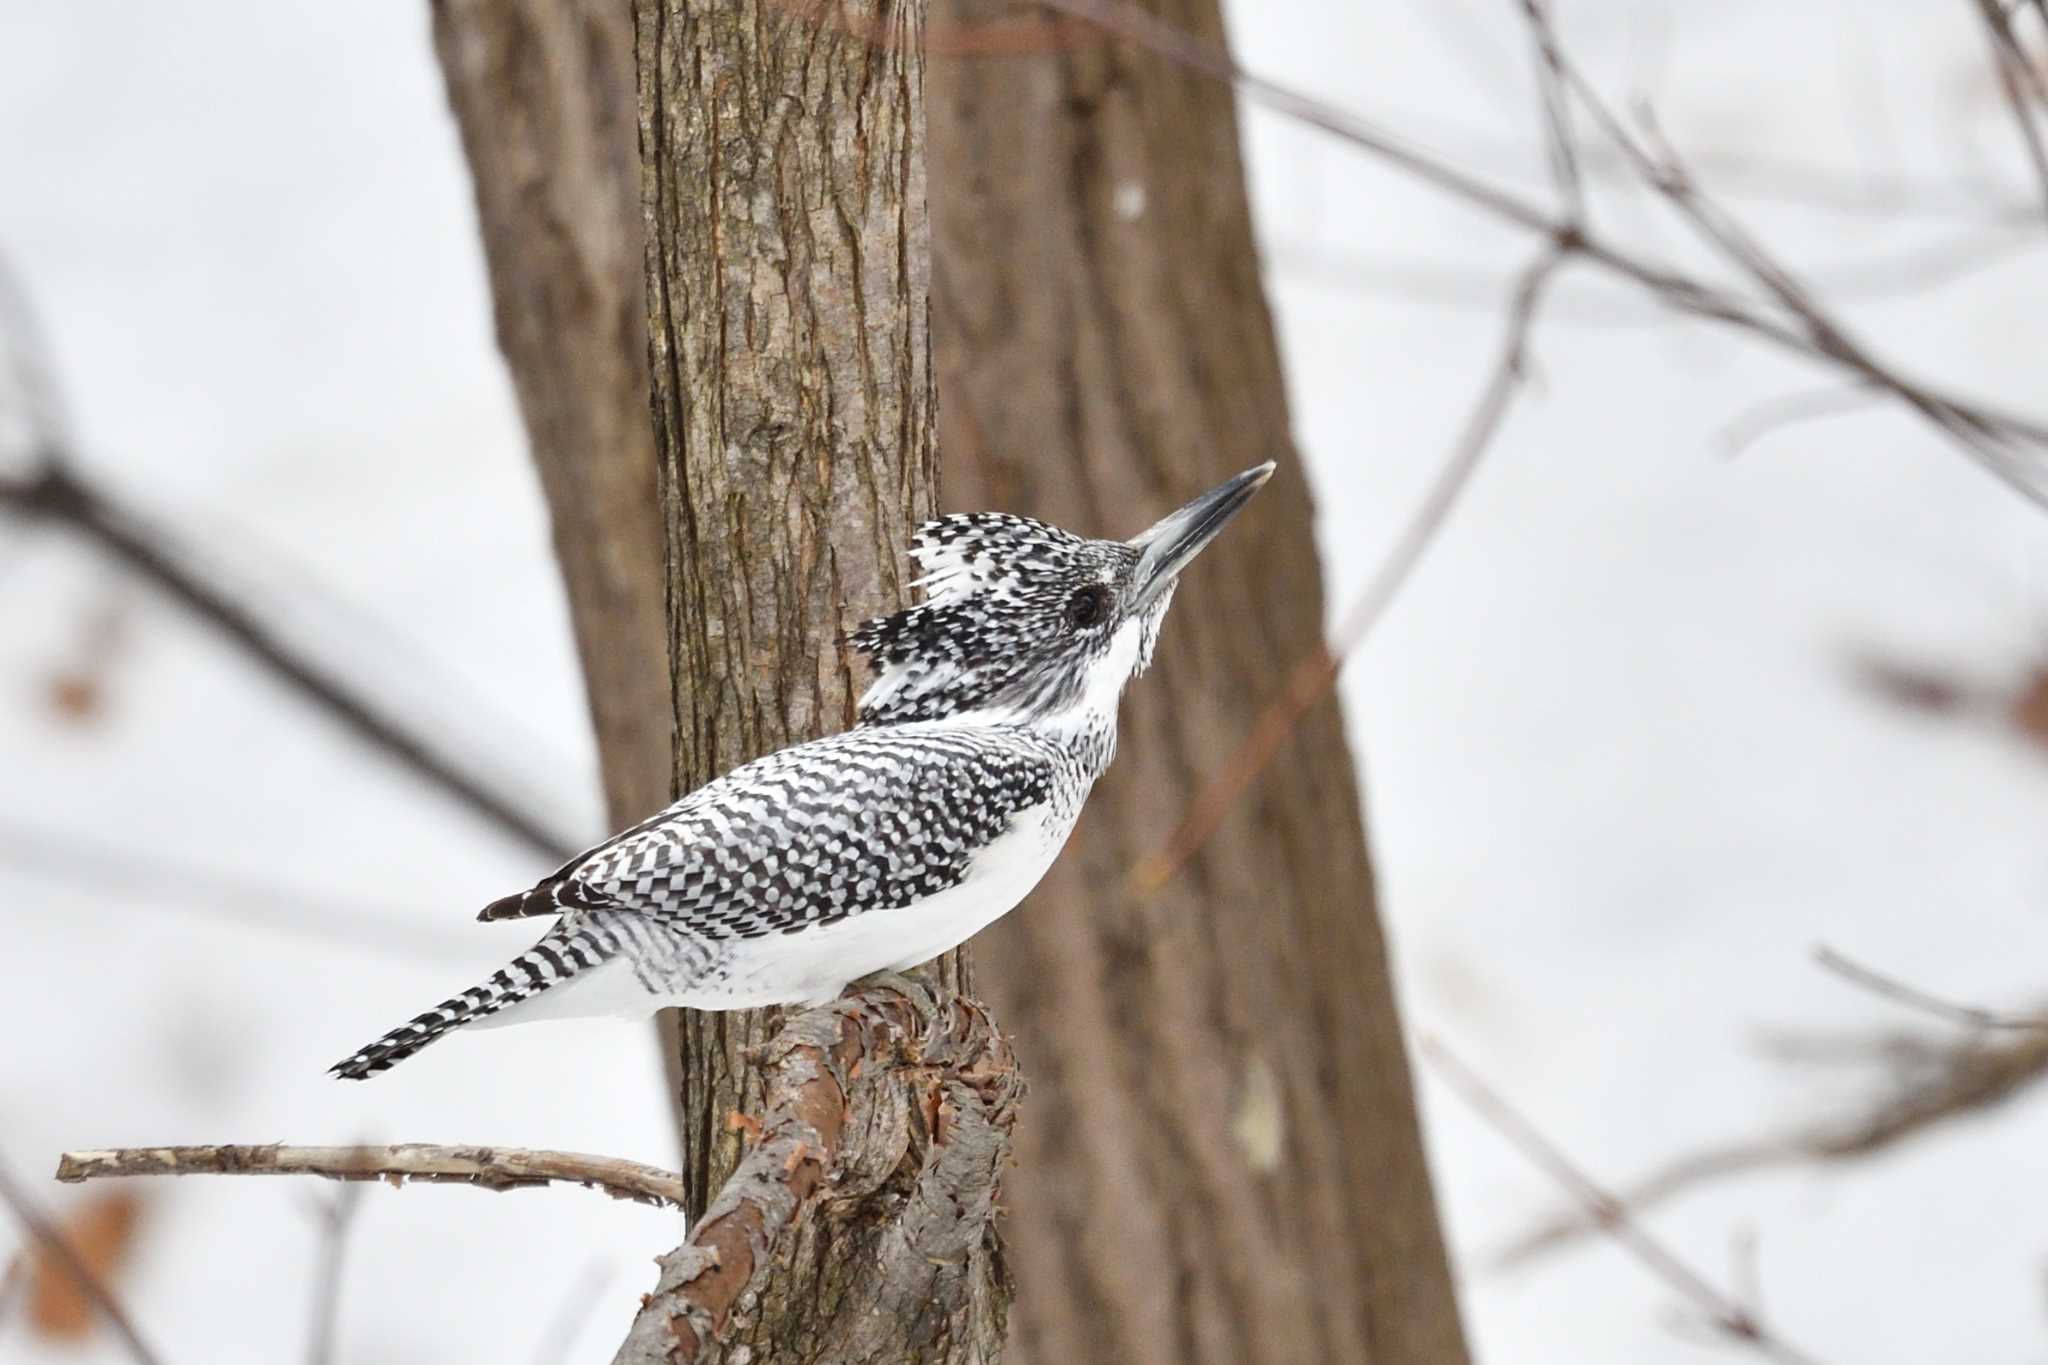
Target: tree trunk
(786, 260)
(1220, 1160)
(714, 563)
(783, 187)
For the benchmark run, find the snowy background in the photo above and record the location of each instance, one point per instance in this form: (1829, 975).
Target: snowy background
(1622, 776)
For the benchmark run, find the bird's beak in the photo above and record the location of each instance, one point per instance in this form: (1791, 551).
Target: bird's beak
(1176, 539)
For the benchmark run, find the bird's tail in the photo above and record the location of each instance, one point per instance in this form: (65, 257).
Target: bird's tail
(550, 962)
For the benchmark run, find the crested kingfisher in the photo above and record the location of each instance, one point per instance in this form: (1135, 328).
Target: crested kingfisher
(992, 712)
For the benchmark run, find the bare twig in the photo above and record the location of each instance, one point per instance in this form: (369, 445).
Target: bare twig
(1922, 269)
(1988, 442)
(1317, 672)
(1964, 1079)
(1759, 173)
(2017, 81)
(337, 1219)
(493, 1168)
(60, 494)
(1557, 114)
(1747, 428)
(25, 362)
(45, 1234)
(1734, 1319)
(1912, 997)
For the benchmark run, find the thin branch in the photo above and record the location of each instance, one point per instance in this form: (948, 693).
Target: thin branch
(337, 1220)
(1317, 672)
(44, 1233)
(60, 494)
(1735, 1320)
(25, 355)
(1745, 429)
(1962, 419)
(1759, 174)
(2017, 79)
(1917, 270)
(1557, 114)
(1912, 997)
(1824, 336)
(492, 1168)
(1966, 1079)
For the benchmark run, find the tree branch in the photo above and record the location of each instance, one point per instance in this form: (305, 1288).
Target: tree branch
(58, 493)
(492, 1168)
(1557, 113)
(1912, 997)
(1735, 1319)
(893, 1094)
(337, 1219)
(1966, 1078)
(2017, 80)
(1317, 672)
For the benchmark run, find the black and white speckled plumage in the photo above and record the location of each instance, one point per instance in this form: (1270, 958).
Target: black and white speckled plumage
(991, 633)
(992, 713)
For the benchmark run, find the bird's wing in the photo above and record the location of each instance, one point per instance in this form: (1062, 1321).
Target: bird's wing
(559, 892)
(868, 819)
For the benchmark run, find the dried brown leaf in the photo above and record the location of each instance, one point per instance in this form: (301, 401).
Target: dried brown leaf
(2029, 709)
(102, 1231)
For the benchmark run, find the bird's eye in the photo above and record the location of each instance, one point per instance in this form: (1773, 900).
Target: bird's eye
(1086, 607)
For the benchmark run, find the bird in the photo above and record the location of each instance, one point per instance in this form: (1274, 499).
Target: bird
(992, 712)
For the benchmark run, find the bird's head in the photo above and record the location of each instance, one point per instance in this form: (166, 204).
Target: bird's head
(1030, 623)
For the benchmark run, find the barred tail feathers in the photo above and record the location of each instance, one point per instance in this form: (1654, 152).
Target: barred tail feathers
(535, 900)
(548, 963)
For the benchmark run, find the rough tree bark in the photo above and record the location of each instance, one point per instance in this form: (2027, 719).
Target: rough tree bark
(783, 185)
(783, 192)
(1220, 1160)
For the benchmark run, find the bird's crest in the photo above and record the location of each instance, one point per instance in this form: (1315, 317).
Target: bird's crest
(993, 586)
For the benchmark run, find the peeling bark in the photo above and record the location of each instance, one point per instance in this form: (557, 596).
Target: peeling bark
(892, 1101)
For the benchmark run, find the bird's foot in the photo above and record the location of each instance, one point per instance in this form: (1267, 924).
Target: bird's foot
(889, 980)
